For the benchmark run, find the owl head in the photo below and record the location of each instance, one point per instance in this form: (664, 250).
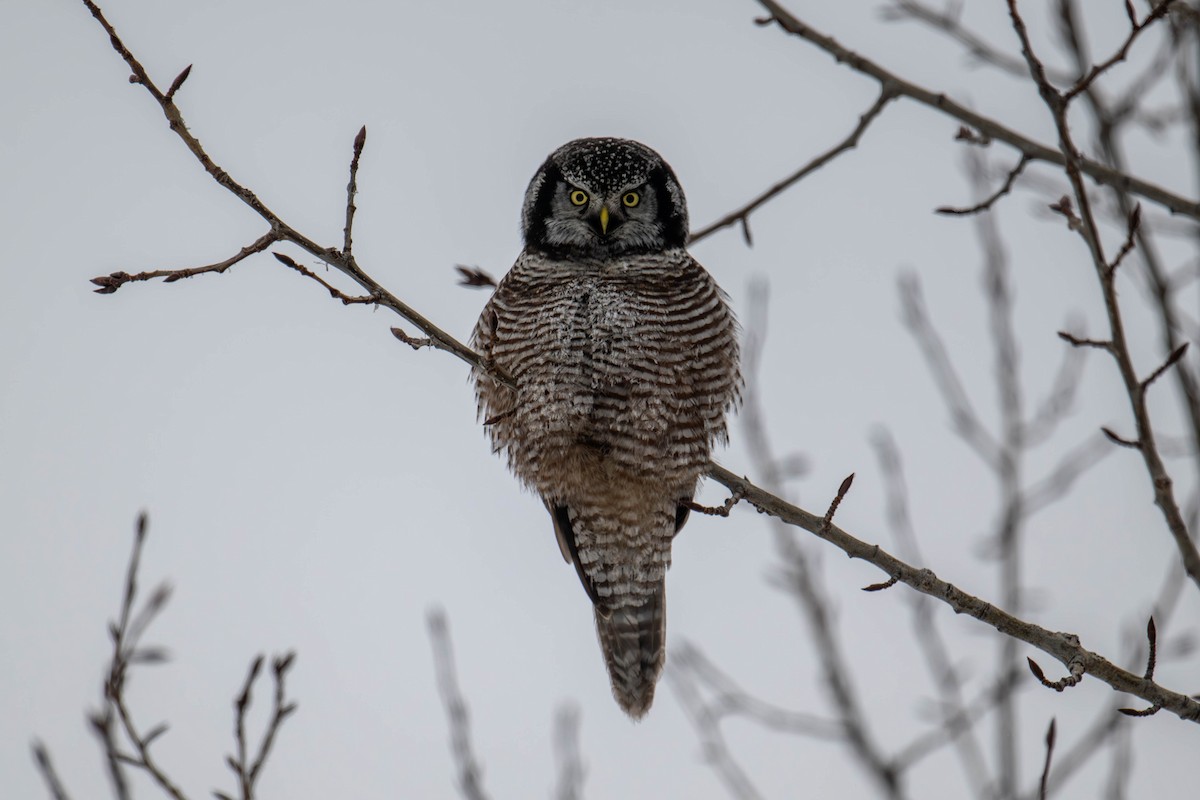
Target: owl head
(604, 197)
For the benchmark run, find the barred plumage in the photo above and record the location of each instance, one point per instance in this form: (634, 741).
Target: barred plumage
(626, 360)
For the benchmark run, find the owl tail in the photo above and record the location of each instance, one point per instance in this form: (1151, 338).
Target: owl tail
(632, 638)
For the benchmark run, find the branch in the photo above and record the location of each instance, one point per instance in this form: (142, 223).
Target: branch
(1062, 646)
(360, 141)
(940, 102)
(115, 280)
(1004, 189)
(566, 748)
(41, 757)
(470, 775)
(948, 23)
(1050, 736)
(1164, 496)
(125, 635)
(1099, 69)
(742, 215)
(247, 769)
(342, 261)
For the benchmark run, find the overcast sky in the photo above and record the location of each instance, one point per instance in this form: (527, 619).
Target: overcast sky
(314, 485)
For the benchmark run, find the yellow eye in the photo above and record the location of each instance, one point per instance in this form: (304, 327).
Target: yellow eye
(579, 198)
(631, 199)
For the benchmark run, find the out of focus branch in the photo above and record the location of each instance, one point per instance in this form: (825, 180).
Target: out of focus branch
(54, 785)
(566, 749)
(950, 23)
(470, 775)
(801, 579)
(247, 767)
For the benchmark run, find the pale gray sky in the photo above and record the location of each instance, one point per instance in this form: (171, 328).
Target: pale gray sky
(314, 485)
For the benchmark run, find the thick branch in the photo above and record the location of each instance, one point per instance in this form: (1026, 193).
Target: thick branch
(1063, 646)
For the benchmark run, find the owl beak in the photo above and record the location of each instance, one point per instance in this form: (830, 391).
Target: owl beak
(604, 219)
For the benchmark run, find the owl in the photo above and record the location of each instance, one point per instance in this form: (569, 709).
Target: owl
(624, 354)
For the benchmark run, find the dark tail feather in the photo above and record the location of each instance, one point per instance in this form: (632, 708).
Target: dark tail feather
(632, 638)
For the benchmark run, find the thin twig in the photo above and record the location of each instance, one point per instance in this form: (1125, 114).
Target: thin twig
(1004, 189)
(1087, 80)
(742, 215)
(1050, 737)
(334, 292)
(115, 280)
(360, 141)
(125, 635)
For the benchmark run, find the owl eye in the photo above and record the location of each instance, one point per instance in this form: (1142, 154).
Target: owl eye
(631, 199)
(579, 198)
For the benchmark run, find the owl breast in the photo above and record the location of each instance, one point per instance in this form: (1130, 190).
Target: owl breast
(623, 370)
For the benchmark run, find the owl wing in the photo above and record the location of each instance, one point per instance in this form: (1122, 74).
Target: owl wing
(566, 543)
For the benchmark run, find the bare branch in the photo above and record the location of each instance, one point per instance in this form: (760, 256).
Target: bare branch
(1046, 767)
(1073, 164)
(742, 215)
(963, 417)
(1119, 56)
(1113, 437)
(990, 201)
(1066, 648)
(1135, 224)
(334, 292)
(948, 23)
(344, 262)
(879, 587)
(566, 748)
(470, 775)
(246, 767)
(837, 501)
(54, 785)
(1101, 344)
(113, 281)
(413, 342)
(1166, 365)
(125, 635)
(178, 82)
(940, 102)
(360, 141)
(1063, 683)
(708, 726)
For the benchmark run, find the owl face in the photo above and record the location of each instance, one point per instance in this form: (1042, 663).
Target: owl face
(604, 197)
